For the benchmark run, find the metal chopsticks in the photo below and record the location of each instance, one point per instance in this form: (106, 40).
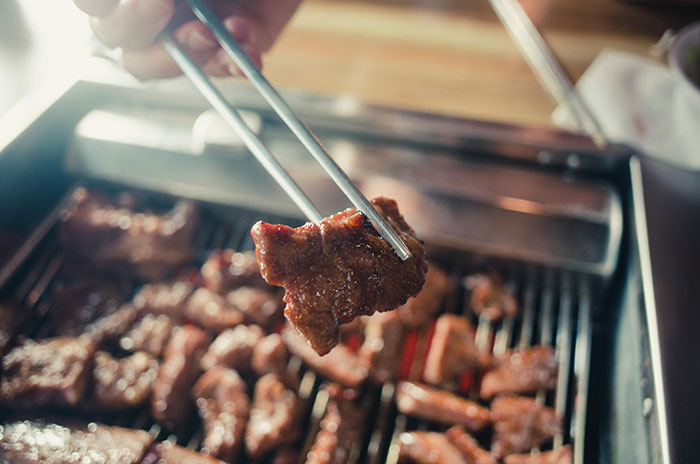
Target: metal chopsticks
(546, 67)
(297, 126)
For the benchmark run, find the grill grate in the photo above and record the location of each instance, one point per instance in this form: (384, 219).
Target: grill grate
(554, 308)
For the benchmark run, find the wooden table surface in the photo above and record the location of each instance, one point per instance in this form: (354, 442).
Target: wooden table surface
(453, 56)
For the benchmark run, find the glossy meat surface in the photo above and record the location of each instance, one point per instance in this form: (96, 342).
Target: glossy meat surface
(469, 447)
(49, 372)
(225, 270)
(452, 350)
(170, 399)
(169, 453)
(149, 334)
(262, 307)
(274, 417)
(489, 297)
(429, 448)
(166, 298)
(118, 238)
(211, 311)
(340, 365)
(521, 423)
(122, 383)
(382, 346)
(224, 407)
(338, 270)
(270, 356)
(233, 348)
(420, 310)
(340, 429)
(113, 326)
(69, 442)
(440, 406)
(558, 456)
(522, 371)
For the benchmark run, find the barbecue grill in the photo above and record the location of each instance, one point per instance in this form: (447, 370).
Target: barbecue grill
(552, 212)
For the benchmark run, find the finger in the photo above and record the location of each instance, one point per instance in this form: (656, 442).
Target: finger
(96, 7)
(222, 64)
(133, 24)
(154, 62)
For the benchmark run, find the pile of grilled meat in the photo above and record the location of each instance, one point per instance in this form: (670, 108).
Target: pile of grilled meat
(214, 340)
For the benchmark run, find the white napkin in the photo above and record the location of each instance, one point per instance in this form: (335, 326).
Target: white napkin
(641, 103)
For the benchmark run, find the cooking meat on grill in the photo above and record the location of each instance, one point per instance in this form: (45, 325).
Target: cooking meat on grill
(558, 456)
(490, 298)
(262, 307)
(340, 428)
(440, 406)
(77, 306)
(67, 442)
(169, 453)
(122, 383)
(11, 318)
(270, 356)
(421, 309)
(340, 365)
(522, 371)
(48, 372)
(170, 399)
(274, 417)
(150, 334)
(211, 311)
(469, 447)
(166, 298)
(118, 238)
(338, 270)
(382, 346)
(520, 423)
(452, 350)
(223, 405)
(114, 325)
(286, 455)
(233, 348)
(429, 448)
(225, 270)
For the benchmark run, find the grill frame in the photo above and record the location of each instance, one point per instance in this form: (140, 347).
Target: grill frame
(555, 308)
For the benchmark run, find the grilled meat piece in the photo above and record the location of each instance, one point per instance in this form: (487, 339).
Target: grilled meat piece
(273, 419)
(338, 270)
(11, 318)
(118, 238)
(452, 350)
(429, 448)
(150, 334)
(520, 423)
(122, 383)
(223, 405)
(440, 406)
(169, 453)
(233, 348)
(286, 455)
(166, 298)
(382, 346)
(77, 306)
(170, 399)
(270, 356)
(340, 365)
(558, 456)
(340, 428)
(421, 309)
(67, 442)
(211, 311)
(262, 307)
(114, 325)
(225, 270)
(489, 297)
(522, 371)
(48, 372)
(469, 447)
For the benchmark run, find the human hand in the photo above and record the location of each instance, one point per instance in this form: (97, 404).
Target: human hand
(134, 25)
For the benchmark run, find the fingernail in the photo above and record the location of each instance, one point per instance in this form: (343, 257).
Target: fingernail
(155, 9)
(199, 41)
(238, 29)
